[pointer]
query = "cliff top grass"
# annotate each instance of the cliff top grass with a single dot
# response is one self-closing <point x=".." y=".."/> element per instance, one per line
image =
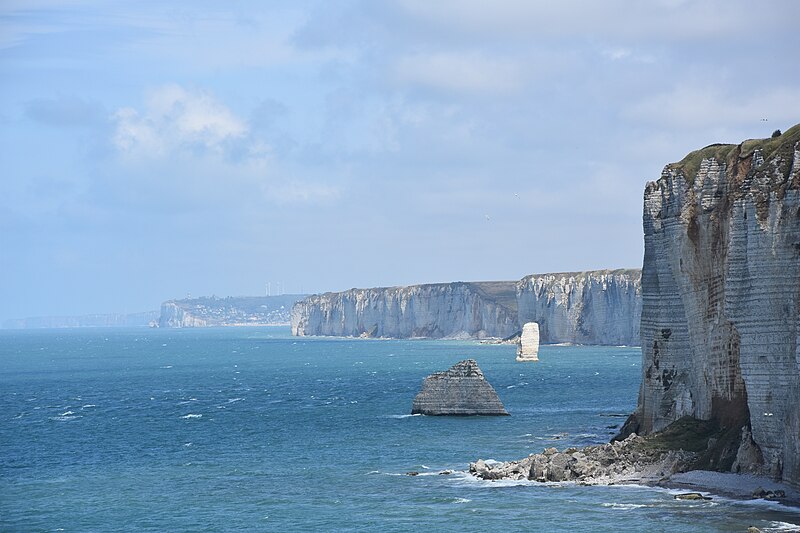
<point x="690" y="164"/>
<point x="582" y="273"/>
<point x="502" y="292"/>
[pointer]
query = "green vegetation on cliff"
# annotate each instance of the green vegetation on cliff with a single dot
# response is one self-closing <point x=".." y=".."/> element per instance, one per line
<point x="782" y="145"/>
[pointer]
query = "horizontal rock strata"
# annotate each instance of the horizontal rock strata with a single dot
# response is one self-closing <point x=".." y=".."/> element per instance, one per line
<point x="595" y="307"/>
<point x="721" y="301"/>
<point x="442" y="310"/>
<point x="461" y="390"/>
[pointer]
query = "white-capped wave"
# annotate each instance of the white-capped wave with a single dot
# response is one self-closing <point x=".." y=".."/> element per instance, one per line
<point x="465" y="479"/>
<point x="782" y="526"/>
<point x="88" y="405"/>
<point x="192" y="415"/>
<point x="624" y="506"/>
<point x="402" y="416"/>
<point x="66" y="418"/>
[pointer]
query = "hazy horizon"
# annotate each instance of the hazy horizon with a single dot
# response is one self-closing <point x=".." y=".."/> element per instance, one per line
<point x="154" y="149"/>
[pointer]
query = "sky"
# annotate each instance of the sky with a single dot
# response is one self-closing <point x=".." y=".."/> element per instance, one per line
<point x="154" y="149"/>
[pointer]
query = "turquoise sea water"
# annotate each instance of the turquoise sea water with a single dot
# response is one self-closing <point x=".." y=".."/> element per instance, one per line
<point x="249" y="429"/>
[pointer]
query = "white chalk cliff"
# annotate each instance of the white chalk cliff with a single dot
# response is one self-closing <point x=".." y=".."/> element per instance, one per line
<point x="454" y="310"/>
<point x="721" y="301"/>
<point x="595" y="307"/>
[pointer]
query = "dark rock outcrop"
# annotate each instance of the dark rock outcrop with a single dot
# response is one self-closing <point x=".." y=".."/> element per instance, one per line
<point x="631" y="460"/>
<point x="460" y="390"/>
<point x="680" y="447"/>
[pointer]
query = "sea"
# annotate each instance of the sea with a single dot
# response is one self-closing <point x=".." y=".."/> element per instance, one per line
<point x="251" y="429"/>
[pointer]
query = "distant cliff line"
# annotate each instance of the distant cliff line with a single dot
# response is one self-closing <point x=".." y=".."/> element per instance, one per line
<point x="593" y="307"/>
<point x="230" y="311"/>
<point x="98" y="320"/>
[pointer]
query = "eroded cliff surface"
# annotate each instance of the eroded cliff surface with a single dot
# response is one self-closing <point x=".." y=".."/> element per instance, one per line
<point x="594" y="307"/>
<point x="721" y="301"/>
<point x="460" y="309"/>
<point x="461" y="390"/>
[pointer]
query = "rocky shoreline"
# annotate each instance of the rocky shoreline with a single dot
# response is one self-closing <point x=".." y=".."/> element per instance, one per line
<point x="673" y="458"/>
<point x="631" y="460"/>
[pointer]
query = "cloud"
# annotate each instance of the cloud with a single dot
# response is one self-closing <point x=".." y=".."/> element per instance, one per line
<point x="622" y="53"/>
<point x="185" y="150"/>
<point x="667" y="19"/>
<point x="176" y="119"/>
<point x="459" y="72"/>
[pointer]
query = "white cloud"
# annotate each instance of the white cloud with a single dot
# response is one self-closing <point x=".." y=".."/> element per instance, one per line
<point x="622" y="53"/>
<point x="184" y="149"/>
<point x="175" y="118"/>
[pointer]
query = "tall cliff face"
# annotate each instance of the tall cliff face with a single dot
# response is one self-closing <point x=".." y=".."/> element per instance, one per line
<point x="721" y="298"/>
<point x="175" y="315"/>
<point x="475" y="310"/>
<point x="83" y="321"/>
<point x="595" y="307"/>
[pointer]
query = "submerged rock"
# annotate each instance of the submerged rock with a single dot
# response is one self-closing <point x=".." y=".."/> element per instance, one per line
<point x="691" y="496"/>
<point x="460" y="390"/>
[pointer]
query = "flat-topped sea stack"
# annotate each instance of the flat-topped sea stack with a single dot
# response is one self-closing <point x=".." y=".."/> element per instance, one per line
<point x="528" y="349"/>
<point x="459" y="391"/>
